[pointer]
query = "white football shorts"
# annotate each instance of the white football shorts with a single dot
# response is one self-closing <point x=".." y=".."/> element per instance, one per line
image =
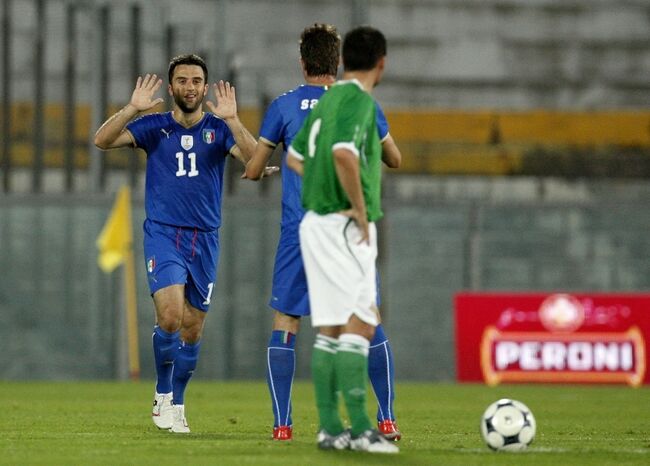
<point x="341" y="273"/>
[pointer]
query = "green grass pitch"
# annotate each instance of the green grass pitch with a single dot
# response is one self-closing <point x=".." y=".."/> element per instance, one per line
<point x="108" y="423"/>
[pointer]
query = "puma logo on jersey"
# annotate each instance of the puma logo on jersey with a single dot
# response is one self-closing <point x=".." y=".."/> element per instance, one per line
<point x="165" y="132"/>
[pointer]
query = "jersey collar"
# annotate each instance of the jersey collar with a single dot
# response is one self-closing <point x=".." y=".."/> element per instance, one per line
<point x="171" y="117"/>
<point x="351" y="81"/>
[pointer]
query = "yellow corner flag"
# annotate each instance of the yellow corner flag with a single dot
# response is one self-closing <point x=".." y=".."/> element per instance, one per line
<point x="114" y="242"/>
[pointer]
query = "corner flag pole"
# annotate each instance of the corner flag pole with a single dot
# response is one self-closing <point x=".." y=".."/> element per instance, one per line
<point x="115" y="244"/>
<point x="130" y="293"/>
<point x="131" y="314"/>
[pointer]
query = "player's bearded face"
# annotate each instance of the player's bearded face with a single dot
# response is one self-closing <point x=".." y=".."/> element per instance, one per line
<point x="188" y="98"/>
<point x="188" y="87"/>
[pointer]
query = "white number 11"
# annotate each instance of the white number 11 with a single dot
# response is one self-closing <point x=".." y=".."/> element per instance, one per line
<point x="180" y="156"/>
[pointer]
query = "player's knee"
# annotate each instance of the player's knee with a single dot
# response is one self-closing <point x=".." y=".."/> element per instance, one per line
<point x="286" y="322"/>
<point x="367" y="332"/>
<point x="358" y="326"/>
<point x="169" y="325"/>
<point x="169" y="319"/>
<point x="191" y="334"/>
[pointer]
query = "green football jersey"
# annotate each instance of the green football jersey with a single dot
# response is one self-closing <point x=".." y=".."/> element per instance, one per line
<point x="343" y="118"/>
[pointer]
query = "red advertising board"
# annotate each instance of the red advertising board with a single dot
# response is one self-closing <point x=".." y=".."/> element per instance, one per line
<point x="552" y="337"/>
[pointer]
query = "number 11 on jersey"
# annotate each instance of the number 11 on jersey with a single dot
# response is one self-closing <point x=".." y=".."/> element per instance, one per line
<point x="180" y="156"/>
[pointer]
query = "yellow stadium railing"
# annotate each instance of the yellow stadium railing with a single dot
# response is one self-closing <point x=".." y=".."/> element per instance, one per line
<point x="432" y="141"/>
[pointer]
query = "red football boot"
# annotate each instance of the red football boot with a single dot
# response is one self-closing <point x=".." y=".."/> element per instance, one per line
<point x="389" y="430"/>
<point x="282" y="433"/>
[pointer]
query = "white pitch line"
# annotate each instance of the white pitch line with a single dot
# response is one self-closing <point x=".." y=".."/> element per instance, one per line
<point x="637" y="451"/>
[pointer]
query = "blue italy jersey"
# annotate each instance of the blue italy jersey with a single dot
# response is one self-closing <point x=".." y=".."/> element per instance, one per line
<point x="184" y="178"/>
<point x="282" y="121"/>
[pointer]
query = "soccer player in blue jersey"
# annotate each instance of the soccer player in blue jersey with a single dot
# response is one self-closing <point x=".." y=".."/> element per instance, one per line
<point x="319" y="58"/>
<point x="186" y="152"/>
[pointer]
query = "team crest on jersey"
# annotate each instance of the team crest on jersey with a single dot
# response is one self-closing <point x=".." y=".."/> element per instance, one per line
<point x="208" y="136"/>
<point x="151" y="264"/>
<point x="187" y="141"/>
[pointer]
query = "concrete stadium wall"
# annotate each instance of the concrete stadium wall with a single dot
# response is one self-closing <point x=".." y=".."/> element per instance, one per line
<point x="505" y="54"/>
<point x="61" y="318"/>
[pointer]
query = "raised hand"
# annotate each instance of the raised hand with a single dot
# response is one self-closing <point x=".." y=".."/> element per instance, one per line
<point x="145" y="88"/>
<point x="226" y="102"/>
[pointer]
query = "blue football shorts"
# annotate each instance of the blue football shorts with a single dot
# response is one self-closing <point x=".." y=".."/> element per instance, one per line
<point x="182" y="256"/>
<point x="289" y="293"/>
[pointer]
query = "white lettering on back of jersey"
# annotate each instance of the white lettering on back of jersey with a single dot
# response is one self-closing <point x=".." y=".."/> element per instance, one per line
<point x="308" y="104"/>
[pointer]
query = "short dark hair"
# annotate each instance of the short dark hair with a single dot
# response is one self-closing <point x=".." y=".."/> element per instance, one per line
<point x="187" y="59"/>
<point x="363" y="47"/>
<point x="320" y="47"/>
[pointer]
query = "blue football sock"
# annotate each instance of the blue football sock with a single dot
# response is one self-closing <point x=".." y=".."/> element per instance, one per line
<point x="165" y="349"/>
<point x="380" y="370"/>
<point x="281" y="367"/>
<point x="188" y="355"/>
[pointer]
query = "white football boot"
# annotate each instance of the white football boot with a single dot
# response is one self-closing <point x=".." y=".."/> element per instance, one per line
<point x="372" y="442"/>
<point x="326" y="441"/>
<point x="179" y="425"/>
<point x="163" y="410"/>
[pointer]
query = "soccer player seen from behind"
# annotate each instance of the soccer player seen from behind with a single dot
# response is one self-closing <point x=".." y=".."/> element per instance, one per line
<point x="338" y="152"/>
<point x="319" y="59"/>
<point x="186" y="152"/>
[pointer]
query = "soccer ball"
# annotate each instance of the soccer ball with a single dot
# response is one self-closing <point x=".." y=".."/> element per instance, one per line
<point x="508" y="425"/>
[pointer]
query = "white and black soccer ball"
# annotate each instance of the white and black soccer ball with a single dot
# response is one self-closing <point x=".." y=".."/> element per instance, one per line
<point x="508" y="425"/>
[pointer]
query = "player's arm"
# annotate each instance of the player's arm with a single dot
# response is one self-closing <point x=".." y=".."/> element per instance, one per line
<point x="390" y="153"/>
<point x="226" y="109"/>
<point x="245" y="142"/>
<point x="256" y="166"/>
<point x="113" y="133"/>
<point x="346" y="164"/>
<point x="295" y="161"/>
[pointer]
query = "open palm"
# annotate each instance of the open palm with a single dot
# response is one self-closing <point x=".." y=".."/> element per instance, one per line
<point x="145" y="88"/>
<point x="226" y="101"/>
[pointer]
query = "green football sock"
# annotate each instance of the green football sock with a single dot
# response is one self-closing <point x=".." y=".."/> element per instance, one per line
<point x="323" y="374"/>
<point x="351" y="373"/>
